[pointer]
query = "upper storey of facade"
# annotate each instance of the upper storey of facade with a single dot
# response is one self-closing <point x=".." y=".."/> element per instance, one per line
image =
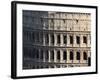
<point x="65" y="21"/>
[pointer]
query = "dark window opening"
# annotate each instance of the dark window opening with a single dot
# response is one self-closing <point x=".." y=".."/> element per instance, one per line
<point x="33" y="51"/>
<point x="52" y="39"/>
<point x="37" y="54"/>
<point x="65" y="39"/>
<point x="64" y="20"/>
<point x="64" y="55"/>
<point x="58" y="39"/>
<point x="78" y="39"/>
<point x="41" y="37"/>
<point x="46" y="38"/>
<point x="84" y="55"/>
<point x="71" y="39"/>
<point x="41" y="54"/>
<point x="52" y="23"/>
<point x="51" y="66"/>
<point x="84" y="39"/>
<point x="58" y="55"/>
<point x="46" y="55"/>
<point x="37" y="67"/>
<point x="76" y="21"/>
<point x="52" y="55"/>
<point x="71" y="55"/>
<point x="78" y="56"/>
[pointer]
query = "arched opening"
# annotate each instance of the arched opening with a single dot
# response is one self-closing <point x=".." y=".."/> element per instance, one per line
<point x="84" y="55"/>
<point x="78" y="55"/>
<point x="64" y="55"/>
<point x="52" y="55"/>
<point x="58" y="55"/>
<point x="71" y="55"/>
